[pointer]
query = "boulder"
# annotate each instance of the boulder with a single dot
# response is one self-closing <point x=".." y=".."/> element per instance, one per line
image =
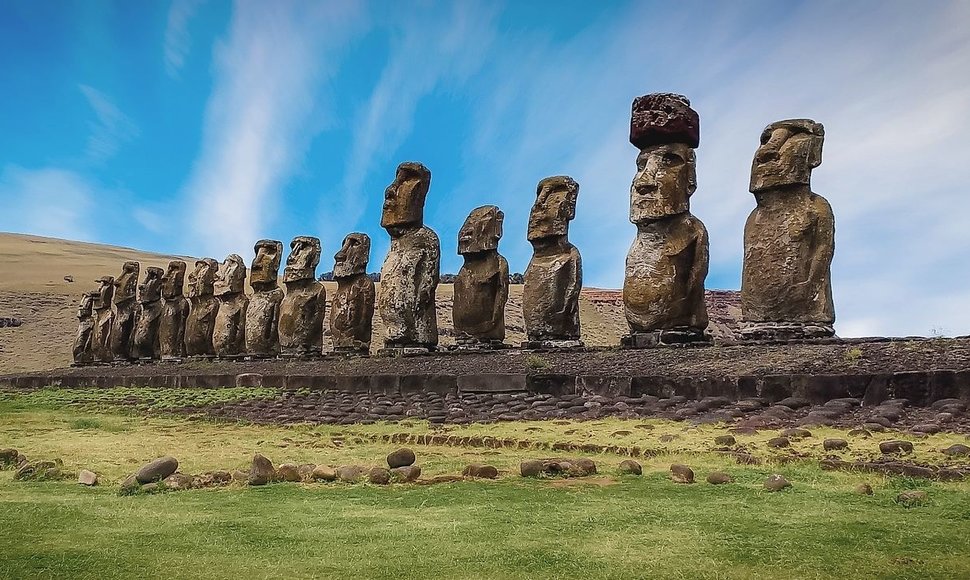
<point x="406" y="474"/>
<point x="719" y="478"/>
<point x="85" y="477"/>
<point x="630" y="467"/>
<point x="584" y="466"/>
<point x="350" y="473"/>
<point x="865" y="434"/>
<point x="216" y="478"/>
<point x="681" y="473"/>
<point x="481" y="471"/>
<point x="835" y="444"/>
<point x="863" y="489"/>
<point x="531" y="468"/>
<point x="157" y="470"/>
<point x="401" y="458"/>
<point x="288" y="472"/>
<point x="179" y="482"/>
<point x="240" y="476"/>
<point x="895" y="446"/>
<point x="796" y="433"/>
<point x="8" y="457"/>
<point x="725" y="440"/>
<point x="928" y="428"/>
<point x="779" y="442"/>
<point x="38" y="471"/>
<point x="776" y="483"/>
<point x="323" y="473"/>
<point x="379" y="475"/>
<point x="261" y="472"/>
<point x="911" y="498"/>
<point x="956" y="450"/>
<point x="306" y="471"/>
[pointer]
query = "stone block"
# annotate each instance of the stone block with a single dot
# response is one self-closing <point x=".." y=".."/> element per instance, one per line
<point x="492" y="383"/>
<point x="604" y="385"/>
<point x="442" y="384"/>
<point x="551" y="384"/>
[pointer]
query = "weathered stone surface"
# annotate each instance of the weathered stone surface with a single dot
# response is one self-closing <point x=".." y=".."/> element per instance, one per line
<point x="411" y="270"/>
<point x="719" y="478"/>
<point x="302" y="310"/>
<point x="229" y="287"/>
<point x="681" y="473"/>
<point x="531" y="468"/>
<point x="789" y="239"/>
<point x="350" y="473"/>
<point x="895" y="446"/>
<point x="203" y="307"/>
<point x="179" y="482"/>
<point x="352" y="309"/>
<point x="911" y="498"/>
<point x="261" y="471"/>
<point x="263" y="312"/>
<point x="835" y="444"/>
<point x="482" y="284"/>
<point x="145" y="342"/>
<point x="778" y="442"/>
<point x="663" y="288"/>
<point x="85" y="477"/>
<point x="323" y="473"/>
<point x="400" y="458"/>
<point x="481" y="471"/>
<point x="125" y="311"/>
<point x="630" y="467"/>
<point x="554" y="276"/>
<point x="103" y="316"/>
<point x="216" y="478"/>
<point x="776" y="483"/>
<point x="725" y="440"/>
<point x="288" y="472"/>
<point x="379" y="476"/>
<point x="84" y="339"/>
<point x="406" y="474"/>
<point x="583" y="466"/>
<point x="157" y="470"/>
<point x="175" y="311"/>
<point x="957" y="450"/>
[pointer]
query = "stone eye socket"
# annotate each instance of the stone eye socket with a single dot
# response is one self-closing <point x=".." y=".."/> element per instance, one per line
<point x="765" y="136"/>
<point x="672" y="159"/>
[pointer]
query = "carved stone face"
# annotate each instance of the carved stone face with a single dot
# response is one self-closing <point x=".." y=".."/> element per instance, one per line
<point x="231" y="277"/>
<point x="353" y="256"/>
<point x="84" y="309"/>
<point x="127" y="283"/>
<point x="151" y="289"/>
<point x="789" y="151"/>
<point x="202" y="277"/>
<point x="302" y="262"/>
<point x="266" y="264"/>
<point x="173" y="280"/>
<point x="105" y="292"/>
<point x="481" y="231"/>
<point x="404" y="198"/>
<point x="555" y="206"/>
<point x="666" y="178"/>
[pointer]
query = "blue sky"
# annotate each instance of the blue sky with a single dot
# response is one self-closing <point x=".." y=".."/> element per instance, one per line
<point x="197" y="127"/>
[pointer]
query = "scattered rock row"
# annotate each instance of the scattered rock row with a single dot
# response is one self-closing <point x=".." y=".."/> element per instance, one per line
<point x="485" y="441"/>
<point x="11" y="459"/>
<point x="557" y="467"/>
<point x="892" y="467"/>
<point x="39" y="471"/>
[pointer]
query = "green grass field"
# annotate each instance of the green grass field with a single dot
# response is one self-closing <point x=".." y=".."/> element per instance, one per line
<point x="605" y="526"/>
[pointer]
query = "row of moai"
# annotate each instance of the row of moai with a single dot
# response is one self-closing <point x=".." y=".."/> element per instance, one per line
<point x="785" y="290"/>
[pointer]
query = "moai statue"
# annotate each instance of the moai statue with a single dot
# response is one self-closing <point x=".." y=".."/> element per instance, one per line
<point x="663" y="290"/>
<point x="145" y="343"/>
<point x="789" y="239"/>
<point x="203" y="306"/>
<point x="482" y="285"/>
<point x="103" y="317"/>
<point x="352" y="310"/>
<point x="554" y="277"/>
<point x="84" y="340"/>
<point x="175" y="310"/>
<point x="263" y="314"/>
<point x="305" y="304"/>
<point x="409" y="276"/>
<point x="229" y="331"/>
<point x="125" y="311"/>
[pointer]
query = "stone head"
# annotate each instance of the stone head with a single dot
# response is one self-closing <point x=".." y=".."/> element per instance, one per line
<point x="174" y="280"/>
<point x="231" y="276"/>
<point x="203" y="277"/>
<point x="127" y="283"/>
<point x="353" y="256"/>
<point x="266" y="265"/>
<point x="661" y="118"/>
<point x="105" y="293"/>
<point x="666" y="178"/>
<point x="788" y="153"/>
<point x="150" y="290"/>
<point x="302" y="262"/>
<point x="481" y="231"/>
<point x="404" y="198"/>
<point x="554" y="207"/>
<point x="86" y="306"/>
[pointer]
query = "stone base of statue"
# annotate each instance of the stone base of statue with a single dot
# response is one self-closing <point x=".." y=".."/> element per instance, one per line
<point x="668" y="336"/>
<point x="201" y="357"/>
<point x="349" y="351"/>
<point x="779" y="331"/>
<point x="301" y="354"/>
<point x="553" y="344"/>
<point x="172" y="359"/>
<point x="261" y="356"/>
<point x="468" y="343"/>
<point x="410" y="350"/>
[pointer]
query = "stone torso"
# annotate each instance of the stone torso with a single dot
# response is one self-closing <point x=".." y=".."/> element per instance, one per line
<point x="481" y="291"/>
<point x="102" y="334"/>
<point x="789" y="240"/>
<point x="199" y="325"/>
<point x="171" y="327"/>
<point x="146" y="342"/>
<point x="550" y="297"/>
<point x="665" y="269"/>
<point x="406" y="297"/>
<point x="123" y="329"/>
<point x="262" y="319"/>
<point x="229" y="330"/>
<point x="84" y="340"/>
<point x="352" y="313"/>
<point x="301" y="317"/>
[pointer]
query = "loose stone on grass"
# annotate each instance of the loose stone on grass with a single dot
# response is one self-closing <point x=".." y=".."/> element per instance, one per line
<point x="261" y="472"/>
<point x="719" y="478"/>
<point x="350" y="473"/>
<point x="85" y="477"/>
<point x="681" y="473"/>
<point x="956" y="450"/>
<point x="895" y="446"/>
<point x="725" y="440"/>
<point x="776" y="483"/>
<point x="406" y="474"/>
<point x="630" y="467"/>
<point x="796" y="433"/>
<point x="863" y="489"/>
<point x="480" y="471"/>
<point x="779" y="442"/>
<point x="401" y="458"/>
<point x="179" y="482"/>
<point x="835" y="444"/>
<point x="323" y="473"/>
<point x="911" y="498"/>
<point x="530" y="468"/>
<point x="288" y="472"/>
<point x="379" y="476"/>
<point x="157" y="470"/>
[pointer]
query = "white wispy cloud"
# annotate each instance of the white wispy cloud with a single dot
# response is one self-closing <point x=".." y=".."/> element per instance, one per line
<point x="112" y="127"/>
<point x="262" y="114"/>
<point x="47" y="201"/>
<point x="178" y="41"/>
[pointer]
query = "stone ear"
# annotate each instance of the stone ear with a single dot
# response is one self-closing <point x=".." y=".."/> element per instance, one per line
<point x="691" y="172"/>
